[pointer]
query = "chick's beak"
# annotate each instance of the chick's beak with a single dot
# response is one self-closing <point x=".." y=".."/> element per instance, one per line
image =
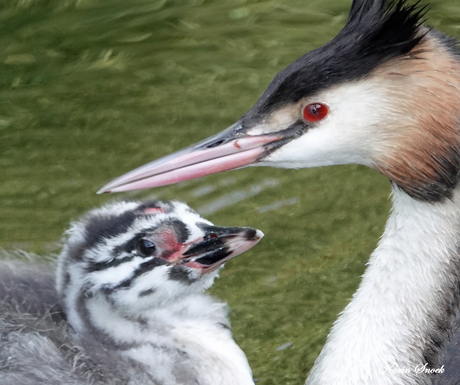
<point x="227" y="150"/>
<point x="219" y="245"/>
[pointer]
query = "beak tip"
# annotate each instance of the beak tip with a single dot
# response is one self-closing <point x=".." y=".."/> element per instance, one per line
<point x="102" y="191"/>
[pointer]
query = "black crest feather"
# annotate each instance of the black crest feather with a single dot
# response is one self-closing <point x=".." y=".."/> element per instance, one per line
<point x="376" y="31"/>
<point x="386" y="29"/>
<point x="360" y="8"/>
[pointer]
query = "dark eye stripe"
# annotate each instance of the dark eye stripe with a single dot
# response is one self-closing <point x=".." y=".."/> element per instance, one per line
<point x="181" y="230"/>
<point x="146" y="293"/>
<point x="98" y="266"/>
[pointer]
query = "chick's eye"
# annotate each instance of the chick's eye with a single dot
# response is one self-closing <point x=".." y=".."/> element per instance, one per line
<point x="314" y="112"/>
<point x="146" y="247"/>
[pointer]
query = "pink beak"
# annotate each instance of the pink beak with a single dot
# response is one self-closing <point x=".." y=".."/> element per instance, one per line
<point x="224" y="151"/>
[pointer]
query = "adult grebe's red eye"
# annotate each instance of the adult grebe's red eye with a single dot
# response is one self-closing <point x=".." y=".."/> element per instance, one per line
<point x="314" y="112"/>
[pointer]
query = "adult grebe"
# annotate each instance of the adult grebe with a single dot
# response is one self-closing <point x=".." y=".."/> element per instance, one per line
<point x="384" y="93"/>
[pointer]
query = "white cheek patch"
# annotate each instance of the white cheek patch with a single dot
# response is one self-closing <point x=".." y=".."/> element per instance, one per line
<point x="348" y="134"/>
<point x="152" y="279"/>
<point x="151" y="289"/>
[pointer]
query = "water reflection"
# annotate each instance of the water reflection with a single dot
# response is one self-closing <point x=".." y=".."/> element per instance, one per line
<point x="277" y="205"/>
<point x="236" y="196"/>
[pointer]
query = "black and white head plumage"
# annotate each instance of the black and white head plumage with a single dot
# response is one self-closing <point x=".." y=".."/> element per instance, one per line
<point x="132" y="254"/>
<point x="129" y="306"/>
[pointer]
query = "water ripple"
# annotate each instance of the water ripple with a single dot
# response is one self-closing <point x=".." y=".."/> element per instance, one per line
<point x="236" y="196"/>
<point x="278" y="204"/>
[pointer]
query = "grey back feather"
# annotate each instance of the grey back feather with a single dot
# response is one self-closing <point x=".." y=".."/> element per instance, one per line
<point x="37" y="346"/>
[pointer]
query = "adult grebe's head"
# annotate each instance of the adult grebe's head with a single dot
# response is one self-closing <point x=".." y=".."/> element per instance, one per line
<point x="383" y="93"/>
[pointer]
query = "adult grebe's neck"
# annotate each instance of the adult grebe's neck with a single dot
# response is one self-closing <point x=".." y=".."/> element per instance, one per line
<point x="401" y="316"/>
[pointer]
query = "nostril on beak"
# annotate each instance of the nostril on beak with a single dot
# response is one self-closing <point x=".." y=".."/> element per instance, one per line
<point x="209" y="236"/>
<point x="215" y="144"/>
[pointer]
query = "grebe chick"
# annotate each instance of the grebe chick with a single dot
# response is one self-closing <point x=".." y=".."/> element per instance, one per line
<point x="130" y="306"/>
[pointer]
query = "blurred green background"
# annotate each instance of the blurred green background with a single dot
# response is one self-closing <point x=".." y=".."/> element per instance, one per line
<point x="91" y="89"/>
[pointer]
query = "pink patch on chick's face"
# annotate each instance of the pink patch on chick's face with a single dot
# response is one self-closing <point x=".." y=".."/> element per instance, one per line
<point x="153" y="211"/>
<point x="171" y="249"/>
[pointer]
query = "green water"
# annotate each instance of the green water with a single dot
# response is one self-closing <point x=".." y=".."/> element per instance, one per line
<point x="93" y="88"/>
